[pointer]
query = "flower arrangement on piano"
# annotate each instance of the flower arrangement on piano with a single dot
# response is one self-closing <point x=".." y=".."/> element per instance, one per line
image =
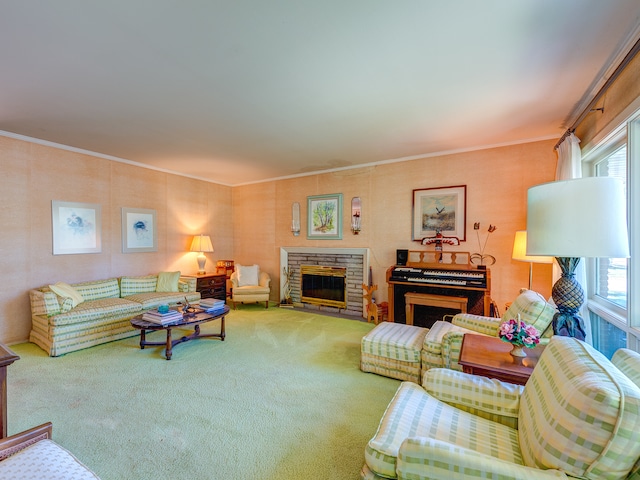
<point x="481" y="258"/>
<point x="520" y="335"/>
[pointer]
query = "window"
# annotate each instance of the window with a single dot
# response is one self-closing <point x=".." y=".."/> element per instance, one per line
<point x="611" y="282"/>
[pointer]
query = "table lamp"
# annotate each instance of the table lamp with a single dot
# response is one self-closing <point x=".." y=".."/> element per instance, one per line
<point x="201" y="243"/>
<point x="571" y="219"/>
<point x="520" y="253"/>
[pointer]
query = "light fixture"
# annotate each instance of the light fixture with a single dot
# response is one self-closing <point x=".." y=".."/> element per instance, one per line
<point x="520" y="253"/>
<point x="356" y="215"/>
<point x="295" y="219"/>
<point x="571" y="219"/>
<point x="201" y="243"/>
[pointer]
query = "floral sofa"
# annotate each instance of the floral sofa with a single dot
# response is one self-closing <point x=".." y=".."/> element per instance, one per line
<point x="578" y="416"/>
<point x="85" y="314"/>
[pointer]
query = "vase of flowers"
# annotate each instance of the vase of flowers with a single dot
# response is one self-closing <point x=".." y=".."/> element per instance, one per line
<point x="520" y="335"/>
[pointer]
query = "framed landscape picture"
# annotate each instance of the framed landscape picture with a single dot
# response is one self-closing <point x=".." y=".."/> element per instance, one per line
<point x="76" y="227"/>
<point x="324" y="217"/>
<point x="442" y="209"/>
<point x="139" y="231"/>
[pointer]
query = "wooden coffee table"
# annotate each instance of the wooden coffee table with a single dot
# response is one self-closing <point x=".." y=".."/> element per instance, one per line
<point x="490" y="357"/>
<point x="188" y="320"/>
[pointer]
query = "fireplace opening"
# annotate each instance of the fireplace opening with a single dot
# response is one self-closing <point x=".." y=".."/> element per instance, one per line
<point x="324" y="285"/>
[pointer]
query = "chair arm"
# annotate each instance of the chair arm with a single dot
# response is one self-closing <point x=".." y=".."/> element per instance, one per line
<point x="20" y="441"/>
<point x="264" y="280"/>
<point x="478" y="323"/>
<point x="486" y="397"/>
<point x="426" y="458"/>
<point x="234" y="279"/>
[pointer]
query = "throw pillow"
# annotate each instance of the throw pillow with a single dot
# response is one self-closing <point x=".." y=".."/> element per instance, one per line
<point x="248" y="275"/>
<point x="168" y="281"/>
<point x="67" y="291"/>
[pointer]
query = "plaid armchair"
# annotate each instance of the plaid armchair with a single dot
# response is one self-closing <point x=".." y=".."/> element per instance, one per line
<point x="442" y="343"/>
<point x="578" y="416"/>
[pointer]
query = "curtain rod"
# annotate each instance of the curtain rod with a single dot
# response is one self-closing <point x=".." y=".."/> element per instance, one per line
<point x="616" y="73"/>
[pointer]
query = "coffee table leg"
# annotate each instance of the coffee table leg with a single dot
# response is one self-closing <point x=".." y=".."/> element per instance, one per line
<point x="168" y="348"/>
<point x="142" y="339"/>
<point x="222" y="334"/>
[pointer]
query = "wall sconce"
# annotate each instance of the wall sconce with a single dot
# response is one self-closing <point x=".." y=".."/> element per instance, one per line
<point x="295" y="219"/>
<point x="201" y="243"/>
<point x="356" y="212"/>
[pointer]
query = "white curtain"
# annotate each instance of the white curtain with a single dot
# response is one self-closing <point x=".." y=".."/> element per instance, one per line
<point x="570" y="166"/>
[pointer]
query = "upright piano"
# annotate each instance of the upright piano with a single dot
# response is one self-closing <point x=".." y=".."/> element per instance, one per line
<point x="438" y="273"/>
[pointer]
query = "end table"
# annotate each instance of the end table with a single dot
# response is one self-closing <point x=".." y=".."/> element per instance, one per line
<point x="490" y="357"/>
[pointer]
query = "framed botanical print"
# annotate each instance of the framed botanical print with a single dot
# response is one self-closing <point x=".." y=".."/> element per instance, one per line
<point x="324" y="217"/>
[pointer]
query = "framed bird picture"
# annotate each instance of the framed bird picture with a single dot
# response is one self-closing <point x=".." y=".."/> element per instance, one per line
<point x="442" y="209"/>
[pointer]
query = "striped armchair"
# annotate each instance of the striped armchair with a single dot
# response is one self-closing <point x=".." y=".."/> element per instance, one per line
<point x="578" y="416"/>
<point x="442" y="343"/>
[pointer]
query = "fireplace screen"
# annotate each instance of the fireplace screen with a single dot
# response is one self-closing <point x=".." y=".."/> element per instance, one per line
<point x="324" y="285"/>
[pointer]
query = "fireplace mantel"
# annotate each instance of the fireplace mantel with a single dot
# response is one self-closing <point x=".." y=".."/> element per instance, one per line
<point x="363" y="252"/>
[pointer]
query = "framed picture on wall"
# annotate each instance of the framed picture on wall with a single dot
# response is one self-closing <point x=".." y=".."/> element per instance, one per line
<point x="76" y="227"/>
<point x="442" y="209"/>
<point x="139" y="231"/>
<point x="324" y="217"/>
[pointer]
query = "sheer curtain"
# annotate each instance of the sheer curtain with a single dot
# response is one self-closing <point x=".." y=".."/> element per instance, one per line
<point x="570" y="166"/>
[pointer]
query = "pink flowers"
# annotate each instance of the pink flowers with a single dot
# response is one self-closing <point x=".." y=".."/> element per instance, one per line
<point x="519" y="333"/>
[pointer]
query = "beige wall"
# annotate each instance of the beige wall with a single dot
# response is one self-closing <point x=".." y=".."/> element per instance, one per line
<point x="248" y="224"/>
<point x="33" y="175"/>
<point x="497" y="181"/>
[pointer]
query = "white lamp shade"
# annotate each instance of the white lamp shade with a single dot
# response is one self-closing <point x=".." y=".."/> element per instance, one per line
<point x="585" y="217"/>
<point x="520" y="250"/>
<point x="201" y="243"/>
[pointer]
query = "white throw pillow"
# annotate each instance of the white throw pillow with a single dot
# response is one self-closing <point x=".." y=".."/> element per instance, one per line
<point x="67" y="291"/>
<point x="247" y="275"/>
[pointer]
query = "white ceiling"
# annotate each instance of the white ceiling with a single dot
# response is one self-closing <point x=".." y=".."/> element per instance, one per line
<point x="240" y="91"/>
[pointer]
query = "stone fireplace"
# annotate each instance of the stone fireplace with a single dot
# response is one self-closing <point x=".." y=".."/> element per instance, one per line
<point x="347" y="265"/>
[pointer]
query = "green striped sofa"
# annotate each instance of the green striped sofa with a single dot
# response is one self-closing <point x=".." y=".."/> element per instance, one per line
<point x="578" y="416"/>
<point x="58" y="327"/>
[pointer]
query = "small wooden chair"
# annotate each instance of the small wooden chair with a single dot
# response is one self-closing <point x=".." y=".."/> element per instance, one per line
<point x="376" y="313"/>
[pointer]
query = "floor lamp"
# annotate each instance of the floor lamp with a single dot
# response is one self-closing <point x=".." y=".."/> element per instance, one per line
<point x="571" y="219"/>
<point x="520" y="253"/>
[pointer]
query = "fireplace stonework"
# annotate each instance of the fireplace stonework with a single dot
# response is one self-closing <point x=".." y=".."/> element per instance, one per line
<point x="355" y="260"/>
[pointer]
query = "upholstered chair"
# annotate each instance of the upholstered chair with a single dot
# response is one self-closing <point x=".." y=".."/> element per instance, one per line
<point x="249" y="285"/>
<point x="442" y="343"/>
<point x="578" y="416"/>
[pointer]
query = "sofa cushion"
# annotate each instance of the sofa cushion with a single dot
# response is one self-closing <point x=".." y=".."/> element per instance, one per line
<point x="168" y="282"/>
<point x="414" y="413"/>
<point x="583" y="417"/>
<point x="149" y="300"/>
<point x="628" y="362"/>
<point x="67" y="291"/>
<point x="132" y="285"/>
<point x="45" y="459"/>
<point x="96" y="309"/>
<point x="247" y="275"/>
<point x="109" y="288"/>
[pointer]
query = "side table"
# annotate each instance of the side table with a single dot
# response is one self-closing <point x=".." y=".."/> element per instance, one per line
<point x="490" y="357"/>
<point x="211" y="285"/>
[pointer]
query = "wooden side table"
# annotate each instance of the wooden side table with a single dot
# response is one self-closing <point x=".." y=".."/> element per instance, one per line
<point x="490" y="357"/>
<point x="211" y="285"/>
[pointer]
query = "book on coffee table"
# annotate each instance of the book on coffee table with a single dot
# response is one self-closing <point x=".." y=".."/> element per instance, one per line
<point x="154" y="316"/>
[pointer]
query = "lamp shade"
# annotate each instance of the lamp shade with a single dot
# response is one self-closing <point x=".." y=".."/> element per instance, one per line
<point x="201" y="243"/>
<point x="520" y="250"/>
<point x="584" y="217"/>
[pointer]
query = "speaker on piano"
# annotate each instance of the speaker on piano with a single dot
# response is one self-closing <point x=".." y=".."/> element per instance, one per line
<point x="402" y="256"/>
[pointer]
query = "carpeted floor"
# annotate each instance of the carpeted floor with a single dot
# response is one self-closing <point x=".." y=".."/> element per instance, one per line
<point x="281" y="398"/>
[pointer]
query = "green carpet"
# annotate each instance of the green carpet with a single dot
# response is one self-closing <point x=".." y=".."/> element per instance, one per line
<point x="281" y="398"/>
